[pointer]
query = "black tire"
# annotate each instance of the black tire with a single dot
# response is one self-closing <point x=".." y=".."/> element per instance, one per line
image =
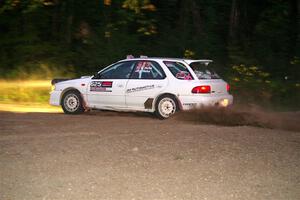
<point x="165" y="106"/>
<point x="72" y="103"/>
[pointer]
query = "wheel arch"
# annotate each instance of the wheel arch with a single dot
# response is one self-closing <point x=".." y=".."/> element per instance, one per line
<point x="70" y="89"/>
<point x="179" y="105"/>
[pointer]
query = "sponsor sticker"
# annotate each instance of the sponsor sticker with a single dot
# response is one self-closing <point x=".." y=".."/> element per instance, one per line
<point x="184" y="75"/>
<point x="101" y="86"/>
<point x="189" y="104"/>
<point x="138" y="89"/>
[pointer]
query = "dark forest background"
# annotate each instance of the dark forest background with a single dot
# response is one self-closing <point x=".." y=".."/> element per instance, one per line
<point x="254" y="43"/>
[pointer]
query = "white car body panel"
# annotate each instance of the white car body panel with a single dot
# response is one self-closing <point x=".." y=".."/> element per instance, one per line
<point x="115" y="97"/>
<point x="138" y="91"/>
<point x="132" y="94"/>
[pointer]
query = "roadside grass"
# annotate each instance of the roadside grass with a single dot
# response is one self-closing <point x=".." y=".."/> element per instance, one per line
<point x="25" y="96"/>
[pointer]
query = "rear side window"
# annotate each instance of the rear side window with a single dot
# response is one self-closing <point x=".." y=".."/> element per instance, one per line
<point x="179" y="70"/>
<point x="202" y="71"/>
<point x="147" y="70"/>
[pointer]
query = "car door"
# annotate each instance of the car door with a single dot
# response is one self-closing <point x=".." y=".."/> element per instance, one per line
<point x="146" y="82"/>
<point x="107" y="88"/>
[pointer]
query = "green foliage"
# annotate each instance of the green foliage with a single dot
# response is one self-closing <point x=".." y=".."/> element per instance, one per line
<point x="50" y="38"/>
<point x="25" y="92"/>
<point x="253" y="86"/>
<point x="189" y="54"/>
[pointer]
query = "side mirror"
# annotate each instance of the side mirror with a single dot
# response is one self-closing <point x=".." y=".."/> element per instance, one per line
<point x="96" y="76"/>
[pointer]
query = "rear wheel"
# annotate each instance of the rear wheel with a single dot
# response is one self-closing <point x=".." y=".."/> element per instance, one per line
<point x="72" y="103"/>
<point x="165" y="106"/>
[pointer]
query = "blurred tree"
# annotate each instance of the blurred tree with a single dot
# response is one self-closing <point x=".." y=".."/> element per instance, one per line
<point x="88" y="35"/>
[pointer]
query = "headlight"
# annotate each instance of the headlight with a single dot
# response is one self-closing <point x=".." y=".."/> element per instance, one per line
<point x="52" y="87"/>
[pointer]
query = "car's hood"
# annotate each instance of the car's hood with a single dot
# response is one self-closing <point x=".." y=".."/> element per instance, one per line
<point x="75" y="81"/>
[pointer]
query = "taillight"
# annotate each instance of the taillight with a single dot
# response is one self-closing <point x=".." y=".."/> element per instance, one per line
<point x="227" y="87"/>
<point x="201" y="89"/>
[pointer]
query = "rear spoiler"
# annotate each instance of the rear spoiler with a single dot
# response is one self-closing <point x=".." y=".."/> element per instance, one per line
<point x="189" y="61"/>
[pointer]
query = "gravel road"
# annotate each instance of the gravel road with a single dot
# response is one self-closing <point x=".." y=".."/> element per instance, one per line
<point x="107" y="155"/>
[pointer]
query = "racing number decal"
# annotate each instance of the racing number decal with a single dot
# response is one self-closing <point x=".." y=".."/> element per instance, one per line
<point x="143" y="67"/>
<point x="101" y="86"/>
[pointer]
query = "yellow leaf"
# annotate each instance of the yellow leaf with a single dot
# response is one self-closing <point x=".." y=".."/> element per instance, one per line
<point x="107" y="2"/>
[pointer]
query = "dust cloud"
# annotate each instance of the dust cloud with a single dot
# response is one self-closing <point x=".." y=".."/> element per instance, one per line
<point x="240" y="115"/>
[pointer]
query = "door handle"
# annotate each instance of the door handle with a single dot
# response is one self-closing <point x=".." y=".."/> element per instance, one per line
<point x="120" y="85"/>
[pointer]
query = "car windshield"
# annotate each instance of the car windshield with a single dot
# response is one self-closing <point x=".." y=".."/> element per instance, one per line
<point x="203" y="71"/>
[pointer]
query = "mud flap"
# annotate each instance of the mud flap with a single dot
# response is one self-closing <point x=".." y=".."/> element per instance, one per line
<point x="149" y="103"/>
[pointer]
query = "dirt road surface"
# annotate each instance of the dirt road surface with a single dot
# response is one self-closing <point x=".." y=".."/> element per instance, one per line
<point x="105" y="155"/>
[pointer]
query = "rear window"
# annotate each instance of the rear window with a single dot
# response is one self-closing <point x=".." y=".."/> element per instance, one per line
<point x="179" y="70"/>
<point x="203" y="71"/>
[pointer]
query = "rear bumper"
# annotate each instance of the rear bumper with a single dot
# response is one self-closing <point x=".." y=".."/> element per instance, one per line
<point x="55" y="98"/>
<point x="198" y="101"/>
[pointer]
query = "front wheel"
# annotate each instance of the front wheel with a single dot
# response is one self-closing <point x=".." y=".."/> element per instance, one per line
<point x="165" y="106"/>
<point x="72" y="103"/>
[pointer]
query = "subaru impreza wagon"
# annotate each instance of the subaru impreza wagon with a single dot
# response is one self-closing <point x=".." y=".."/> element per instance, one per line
<point x="158" y="85"/>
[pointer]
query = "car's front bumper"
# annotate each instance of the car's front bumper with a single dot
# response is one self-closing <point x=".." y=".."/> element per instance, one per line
<point x="198" y="101"/>
<point x="55" y="98"/>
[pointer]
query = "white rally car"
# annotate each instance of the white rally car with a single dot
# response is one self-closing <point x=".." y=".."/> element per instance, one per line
<point x="159" y="85"/>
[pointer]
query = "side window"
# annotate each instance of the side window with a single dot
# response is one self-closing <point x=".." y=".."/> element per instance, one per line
<point x="147" y="70"/>
<point x="118" y="71"/>
<point x="179" y="70"/>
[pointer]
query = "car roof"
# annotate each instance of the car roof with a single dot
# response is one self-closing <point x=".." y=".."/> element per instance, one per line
<point x="188" y="61"/>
